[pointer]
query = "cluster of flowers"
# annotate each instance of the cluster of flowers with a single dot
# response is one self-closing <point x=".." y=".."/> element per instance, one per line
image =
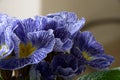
<point x="53" y="42"/>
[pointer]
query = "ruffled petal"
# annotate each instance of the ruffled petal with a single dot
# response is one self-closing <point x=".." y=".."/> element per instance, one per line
<point x="101" y="61"/>
<point x="6" y="43"/>
<point x="62" y="65"/>
<point x="41" y="38"/>
<point x="16" y="63"/>
<point x="25" y="26"/>
<point x="44" y="40"/>
<point x="62" y="46"/>
<point x="70" y="17"/>
<point x="62" y="33"/>
<point x="45" y="70"/>
<point x="73" y="28"/>
<point x="63" y="41"/>
<point x="85" y="41"/>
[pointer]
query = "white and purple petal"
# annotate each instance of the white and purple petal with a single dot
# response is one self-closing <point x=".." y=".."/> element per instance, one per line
<point x="44" y="43"/>
<point x="69" y="17"/>
<point x="63" y="41"/>
<point x="25" y="26"/>
<point x="68" y="20"/>
<point x="6" y="43"/>
<point x="101" y="61"/>
<point x="74" y="28"/>
<point x="62" y="46"/>
<point x="85" y="41"/>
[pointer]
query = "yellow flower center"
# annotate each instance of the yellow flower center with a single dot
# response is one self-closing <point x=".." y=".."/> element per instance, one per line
<point x="86" y="56"/>
<point x="26" y="50"/>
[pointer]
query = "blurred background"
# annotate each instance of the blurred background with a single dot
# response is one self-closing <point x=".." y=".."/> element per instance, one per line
<point x="102" y="17"/>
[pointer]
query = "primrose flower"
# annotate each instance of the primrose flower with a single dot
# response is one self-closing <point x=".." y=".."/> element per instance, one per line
<point x="87" y="49"/>
<point x="66" y="65"/>
<point x="6" y="35"/>
<point x="31" y="45"/>
<point x="64" y="25"/>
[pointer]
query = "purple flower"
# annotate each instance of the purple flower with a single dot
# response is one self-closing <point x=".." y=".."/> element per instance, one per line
<point x="87" y="49"/>
<point x="66" y="65"/>
<point x="31" y="45"/>
<point x="65" y="25"/>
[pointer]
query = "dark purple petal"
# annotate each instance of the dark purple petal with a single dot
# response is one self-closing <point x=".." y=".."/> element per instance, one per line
<point x="63" y="41"/>
<point x="46" y="23"/>
<point x="77" y="53"/>
<point x="66" y="65"/>
<point x="62" y="33"/>
<point x="65" y="72"/>
<point x="51" y="24"/>
<point x="45" y="70"/>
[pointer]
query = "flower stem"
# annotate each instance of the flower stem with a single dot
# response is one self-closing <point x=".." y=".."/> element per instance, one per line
<point x="6" y="74"/>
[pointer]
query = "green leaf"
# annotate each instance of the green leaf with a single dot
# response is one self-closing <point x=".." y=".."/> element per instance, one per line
<point x="1" y="78"/>
<point x="113" y="74"/>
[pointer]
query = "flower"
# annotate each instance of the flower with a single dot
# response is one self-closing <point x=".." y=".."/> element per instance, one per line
<point x="6" y="35"/>
<point x="31" y="46"/>
<point x="66" y="65"/>
<point x="87" y="49"/>
<point x="52" y="45"/>
<point x="65" y="25"/>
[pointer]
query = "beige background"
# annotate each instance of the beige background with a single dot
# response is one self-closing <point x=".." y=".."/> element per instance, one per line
<point x="107" y="34"/>
<point x="20" y="8"/>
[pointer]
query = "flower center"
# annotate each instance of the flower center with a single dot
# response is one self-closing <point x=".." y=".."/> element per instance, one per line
<point x="26" y="50"/>
<point x="86" y="56"/>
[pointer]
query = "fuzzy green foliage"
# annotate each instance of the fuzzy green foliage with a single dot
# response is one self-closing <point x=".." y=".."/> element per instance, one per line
<point x="113" y="74"/>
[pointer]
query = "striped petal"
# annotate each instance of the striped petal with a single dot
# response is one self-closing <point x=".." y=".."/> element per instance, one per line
<point x="101" y="61"/>
<point x="45" y="45"/>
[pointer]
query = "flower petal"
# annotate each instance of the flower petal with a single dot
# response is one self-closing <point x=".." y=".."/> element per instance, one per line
<point x="68" y="20"/>
<point x="45" y="45"/>
<point x="62" y="46"/>
<point x="62" y="65"/>
<point x="45" y="70"/>
<point x="73" y="28"/>
<point x="101" y="61"/>
<point x="67" y="16"/>
<point x="41" y="38"/>
<point x="16" y="63"/>
<point x="63" y="41"/>
<point x="25" y="26"/>
<point x="6" y="43"/>
<point x="85" y="41"/>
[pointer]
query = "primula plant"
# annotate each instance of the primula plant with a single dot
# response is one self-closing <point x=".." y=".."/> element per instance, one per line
<point x="50" y="47"/>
